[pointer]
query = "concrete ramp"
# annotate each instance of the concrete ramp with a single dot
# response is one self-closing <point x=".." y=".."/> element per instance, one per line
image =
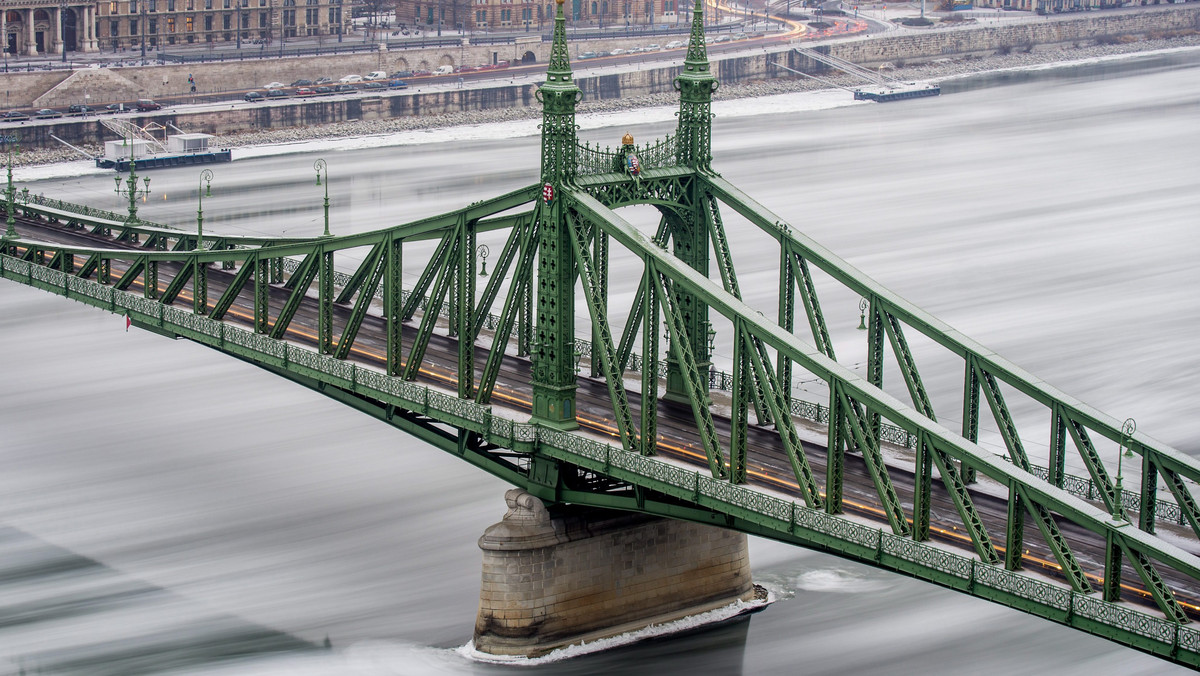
<point x="105" y="82"/>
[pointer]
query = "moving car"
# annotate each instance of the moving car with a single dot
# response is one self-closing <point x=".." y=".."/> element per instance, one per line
<point x="276" y="93"/>
<point x="79" y="109"/>
<point x="373" y="85"/>
<point x="252" y="96"/>
<point x="304" y="91"/>
<point x="47" y="112"/>
<point x="144" y="105"/>
<point x="398" y="84"/>
<point x="345" y="88"/>
<point x="14" y="116"/>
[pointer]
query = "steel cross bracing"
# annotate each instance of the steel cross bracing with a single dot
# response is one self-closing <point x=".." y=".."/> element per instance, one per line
<point x="490" y="371"/>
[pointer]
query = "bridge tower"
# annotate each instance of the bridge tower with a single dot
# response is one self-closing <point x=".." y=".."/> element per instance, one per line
<point x="554" y="333"/>
<point x="690" y="225"/>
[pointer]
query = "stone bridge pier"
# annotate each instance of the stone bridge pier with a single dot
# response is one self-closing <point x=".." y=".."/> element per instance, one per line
<point x="578" y="574"/>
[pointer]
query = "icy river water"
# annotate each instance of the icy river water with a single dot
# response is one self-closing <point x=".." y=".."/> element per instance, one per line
<point x="164" y="509"/>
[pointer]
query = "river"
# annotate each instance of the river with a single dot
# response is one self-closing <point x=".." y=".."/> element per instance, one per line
<point x="165" y="509"/>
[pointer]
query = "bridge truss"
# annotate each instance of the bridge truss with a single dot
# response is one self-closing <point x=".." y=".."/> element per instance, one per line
<point x="442" y="361"/>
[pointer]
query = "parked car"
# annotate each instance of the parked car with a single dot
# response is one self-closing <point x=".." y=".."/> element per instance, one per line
<point x="375" y="75"/>
<point x="47" y="112"/>
<point x="653" y="47"/>
<point x="304" y="91"/>
<point x="351" y="78"/>
<point x="144" y="105"/>
<point x="302" y="83"/>
<point x="443" y="70"/>
<point x="398" y="84"/>
<point x="618" y="52"/>
<point x="323" y="80"/>
<point x="14" y="116"/>
<point x="252" y="96"/>
<point x="276" y="93"/>
<point x="723" y="38"/>
<point x="274" y="85"/>
<point x="421" y="73"/>
<point x="588" y="55"/>
<point x="676" y="44"/>
<point x="116" y="108"/>
<point x="403" y="73"/>
<point x="80" y="109"/>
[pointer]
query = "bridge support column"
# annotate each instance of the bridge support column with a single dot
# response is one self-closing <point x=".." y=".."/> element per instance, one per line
<point x="581" y="574"/>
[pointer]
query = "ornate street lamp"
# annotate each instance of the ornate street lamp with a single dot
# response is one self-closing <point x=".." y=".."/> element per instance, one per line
<point x="482" y="251"/>
<point x="862" y="314"/>
<point x="320" y="166"/>
<point x="1127" y="430"/>
<point x="206" y="178"/>
<point x="131" y="190"/>
<point x="10" y="193"/>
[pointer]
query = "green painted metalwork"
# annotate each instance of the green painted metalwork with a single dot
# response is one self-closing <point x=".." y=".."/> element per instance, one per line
<point x="594" y="292"/>
<point x="922" y="489"/>
<point x="393" y="303"/>
<point x="1014" y="542"/>
<point x="262" y="295"/>
<point x="376" y="264"/>
<point x="649" y="303"/>
<point x="857" y="428"/>
<point x="300" y="280"/>
<point x="697" y="392"/>
<point x="567" y="235"/>
<point x="1058" y="544"/>
<point x="553" y="348"/>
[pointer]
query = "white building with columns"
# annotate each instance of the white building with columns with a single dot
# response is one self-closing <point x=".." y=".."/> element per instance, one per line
<point x="39" y="27"/>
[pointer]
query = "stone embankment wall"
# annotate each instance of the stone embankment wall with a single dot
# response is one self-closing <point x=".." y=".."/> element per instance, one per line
<point x="909" y="46"/>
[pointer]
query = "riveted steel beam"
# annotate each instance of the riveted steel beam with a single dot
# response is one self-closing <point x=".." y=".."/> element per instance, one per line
<point x="378" y="267"/>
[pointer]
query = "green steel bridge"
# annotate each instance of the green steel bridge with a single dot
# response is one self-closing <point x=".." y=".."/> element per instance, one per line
<point x="490" y="371"/>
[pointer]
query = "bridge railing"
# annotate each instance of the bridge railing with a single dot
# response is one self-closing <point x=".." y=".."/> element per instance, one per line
<point x="758" y="512"/>
<point x="591" y="160"/>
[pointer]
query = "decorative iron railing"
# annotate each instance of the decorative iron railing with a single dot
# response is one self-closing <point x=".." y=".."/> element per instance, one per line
<point x="591" y="160"/>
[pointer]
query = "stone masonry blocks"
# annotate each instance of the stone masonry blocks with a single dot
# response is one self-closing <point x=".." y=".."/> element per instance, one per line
<point x="582" y="573"/>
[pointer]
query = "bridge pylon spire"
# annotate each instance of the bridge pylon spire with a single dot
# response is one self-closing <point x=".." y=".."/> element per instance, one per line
<point x="554" y="371"/>
<point x="695" y="85"/>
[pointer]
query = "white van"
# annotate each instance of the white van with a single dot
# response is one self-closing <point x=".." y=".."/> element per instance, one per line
<point x="376" y="75"/>
<point x="443" y="70"/>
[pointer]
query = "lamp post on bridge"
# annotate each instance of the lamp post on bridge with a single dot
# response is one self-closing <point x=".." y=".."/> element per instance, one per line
<point x="132" y="190"/>
<point x="320" y="166"/>
<point x="10" y="193"/>
<point x="206" y="178"/>
<point x="1127" y="430"/>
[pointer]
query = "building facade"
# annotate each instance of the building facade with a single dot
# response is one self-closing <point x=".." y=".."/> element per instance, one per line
<point x="533" y="16"/>
<point x="34" y="27"/>
<point x="158" y="24"/>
